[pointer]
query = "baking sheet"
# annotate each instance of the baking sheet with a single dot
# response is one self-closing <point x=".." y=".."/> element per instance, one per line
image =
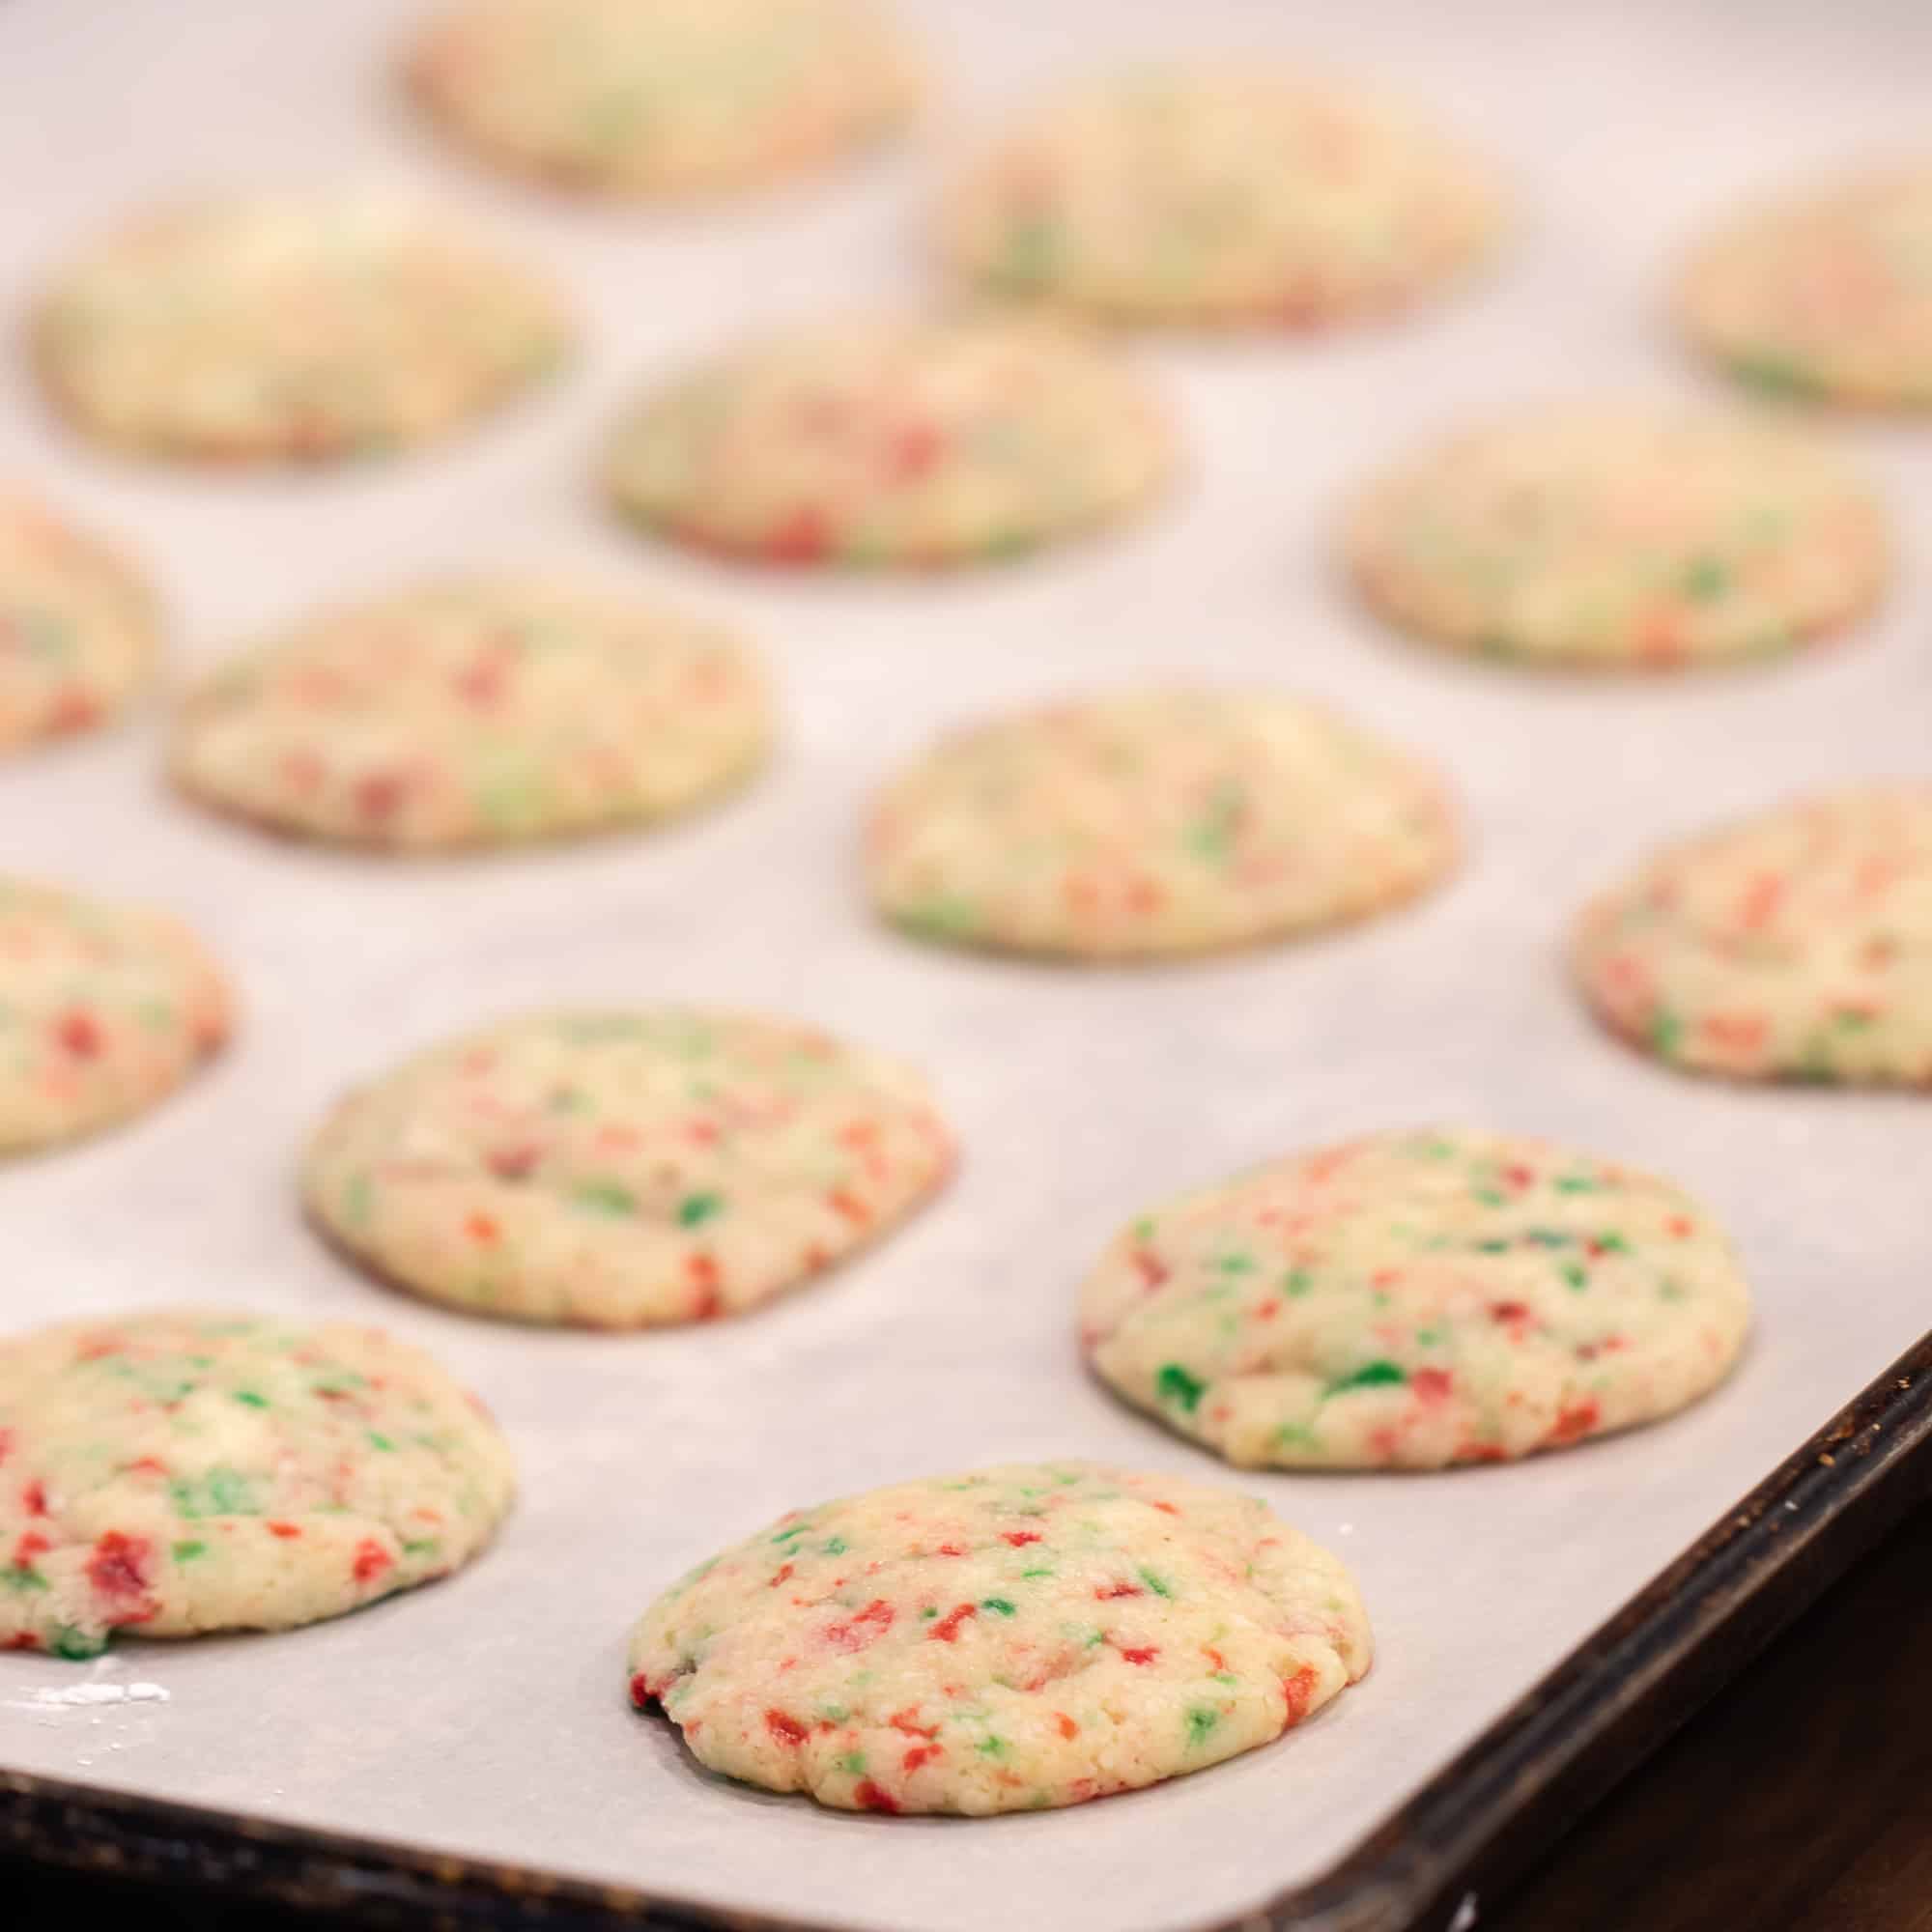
<point x="485" y="1716"/>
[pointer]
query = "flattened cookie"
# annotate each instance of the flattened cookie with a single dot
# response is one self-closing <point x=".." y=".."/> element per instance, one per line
<point x="1006" y="1640"/>
<point x="78" y="631"/>
<point x="1607" y="536"/>
<point x="664" y="97"/>
<point x="1824" y="294"/>
<point x="902" y="444"/>
<point x="1220" y="195"/>
<point x="1155" y="822"/>
<point x="1415" y="1299"/>
<point x="1795" y="945"/>
<point x="206" y="1470"/>
<point x="624" y="1168"/>
<point x="290" y="327"/>
<point x="103" y="1010"/>
<point x="480" y="713"/>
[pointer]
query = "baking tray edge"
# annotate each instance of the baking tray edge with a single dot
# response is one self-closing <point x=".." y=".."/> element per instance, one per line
<point x="1478" y="1821"/>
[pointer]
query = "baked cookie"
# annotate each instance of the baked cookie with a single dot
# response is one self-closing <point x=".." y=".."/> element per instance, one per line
<point x="479" y="713"/>
<point x="103" y="1010"/>
<point x="1006" y="1640"/>
<point x="903" y="444"/>
<point x="664" y="97"/>
<point x="79" y="629"/>
<point x="1609" y="537"/>
<point x="1413" y="1299"/>
<point x="1216" y="195"/>
<point x="1824" y="294"/>
<point x="624" y="1168"/>
<point x="1796" y="945"/>
<point x="290" y="329"/>
<point x="207" y="1469"/>
<point x="1155" y="822"/>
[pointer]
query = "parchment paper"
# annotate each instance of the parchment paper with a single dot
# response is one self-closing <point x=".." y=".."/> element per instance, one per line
<point x="486" y="1714"/>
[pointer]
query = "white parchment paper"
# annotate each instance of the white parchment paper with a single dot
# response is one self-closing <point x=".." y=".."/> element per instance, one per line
<point x="486" y="1714"/>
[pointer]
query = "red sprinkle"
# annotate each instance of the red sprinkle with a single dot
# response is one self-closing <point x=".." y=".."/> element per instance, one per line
<point x="284" y="1530"/>
<point x="1108" y="1592"/>
<point x="1431" y="1384"/>
<point x="947" y="1629"/>
<point x="1144" y="1654"/>
<point x="786" y="1729"/>
<point x="872" y="1622"/>
<point x="920" y="1755"/>
<point x="1019" y="1538"/>
<point x="1298" y="1691"/>
<point x="869" y="1798"/>
<point x="81" y="1034"/>
<point x="641" y="1691"/>
<point x="34" y="1498"/>
<point x="371" y="1560"/>
<point x="117" y="1566"/>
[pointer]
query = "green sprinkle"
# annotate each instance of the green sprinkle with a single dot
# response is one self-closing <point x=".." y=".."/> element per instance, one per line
<point x="377" y="1440"/>
<point x="853" y="1762"/>
<point x="1201" y="1721"/>
<point x="997" y="1605"/>
<point x="1705" y="579"/>
<point x="1667" y="1032"/>
<point x="697" y="1208"/>
<point x="218" y="1492"/>
<point x="76" y="1644"/>
<point x="1491" y="1197"/>
<point x="1155" y="1583"/>
<point x="358" y="1198"/>
<point x="1574" y="1184"/>
<point x="930" y="1610"/>
<point x="1378" y="1373"/>
<point x="992" y="1746"/>
<point x="17" y="1578"/>
<point x="786" y="1535"/>
<point x="1298" y="1282"/>
<point x="1574" y="1274"/>
<point x="1026" y="1575"/>
<point x="832" y="1546"/>
<point x="186" y="1552"/>
<point x="1613" y="1243"/>
<point x="605" y="1197"/>
<point x="1776" y="373"/>
<point x="250" y="1398"/>
<point x="1175" y="1384"/>
<point x="422" y="1546"/>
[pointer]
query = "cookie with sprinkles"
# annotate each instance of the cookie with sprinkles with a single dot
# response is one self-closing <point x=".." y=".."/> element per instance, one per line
<point x="893" y="444"/>
<point x="1824" y="292"/>
<point x="290" y="327"/>
<point x="1155" y="822"/>
<point x="170" y="1475"/>
<point x="1220" y="195"/>
<point x="79" y="627"/>
<point x="664" y="98"/>
<point x="104" y="1009"/>
<point x="486" y="712"/>
<point x="1613" y="536"/>
<point x="1413" y="1299"/>
<point x="625" y="1168"/>
<point x="1795" y="945"/>
<point x="1006" y="1640"/>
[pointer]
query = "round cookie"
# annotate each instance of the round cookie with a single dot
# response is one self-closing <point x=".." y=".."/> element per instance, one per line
<point x="1016" y="1638"/>
<point x="480" y="713"/>
<point x="78" y="630"/>
<point x="653" y="98"/>
<point x="624" y="1168"/>
<point x="290" y="327"/>
<point x="1794" y="945"/>
<point x="1823" y="294"/>
<point x="103" y="1010"/>
<point x="1609" y="537"/>
<point x="1155" y="822"/>
<point x="191" y="1470"/>
<point x="904" y="444"/>
<point x="1415" y="1299"/>
<point x="1216" y="195"/>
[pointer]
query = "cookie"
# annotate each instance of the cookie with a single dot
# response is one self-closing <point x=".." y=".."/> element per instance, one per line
<point x="1217" y="195"/>
<point x="1155" y="822"/>
<point x="478" y="713"/>
<point x="1796" y="945"/>
<point x="623" y="1169"/>
<point x="1413" y="1299"/>
<point x="1608" y="536"/>
<point x="1823" y="294"/>
<point x="1016" y="1638"/>
<point x="79" y="629"/>
<point x="173" y="1473"/>
<point x="290" y="329"/>
<point x="663" y="98"/>
<point x="901" y="443"/>
<point x="103" y="1010"/>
